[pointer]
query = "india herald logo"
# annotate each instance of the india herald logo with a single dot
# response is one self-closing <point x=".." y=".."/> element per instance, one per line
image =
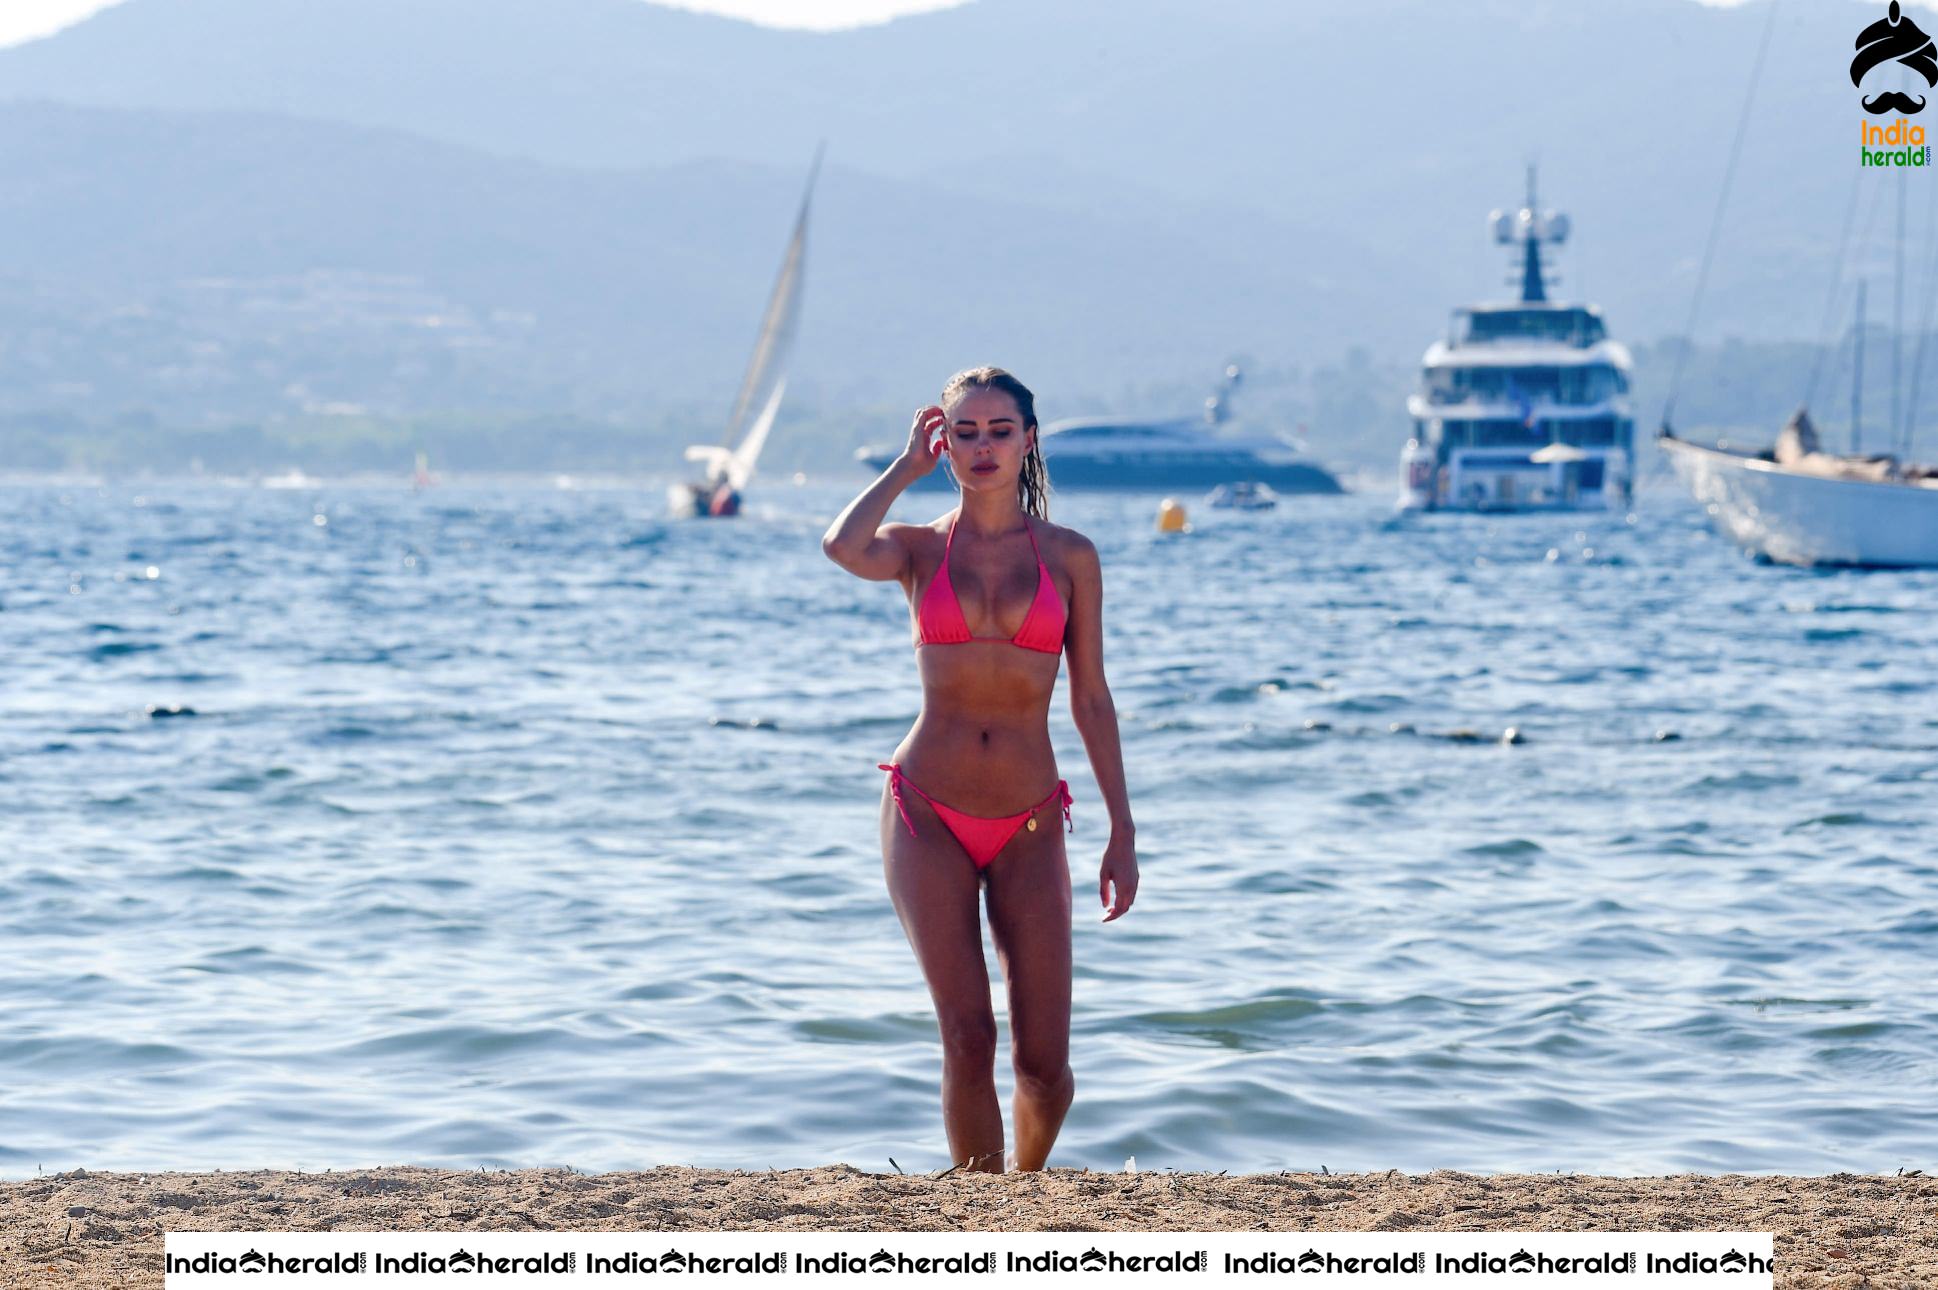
<point x="1894" y="38"/>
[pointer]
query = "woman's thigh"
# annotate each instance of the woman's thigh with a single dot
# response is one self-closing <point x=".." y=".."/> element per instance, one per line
<point x="1029" y="920"/>
<point x="936" y="892"/>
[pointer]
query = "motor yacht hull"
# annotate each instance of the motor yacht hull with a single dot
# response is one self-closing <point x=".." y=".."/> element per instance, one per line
<point x="1132" y="474"/>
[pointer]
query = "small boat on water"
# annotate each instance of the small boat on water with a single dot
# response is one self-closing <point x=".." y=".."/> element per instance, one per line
<point x="1245" y="495"/>
<point x="1133" y="454"/>
<point x="1524" y="406"/>
<point x="1796" y="504"/>
<point x="730" y="463"/>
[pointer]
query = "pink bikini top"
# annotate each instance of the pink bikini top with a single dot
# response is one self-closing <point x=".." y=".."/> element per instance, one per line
<point x="940" y="622"/>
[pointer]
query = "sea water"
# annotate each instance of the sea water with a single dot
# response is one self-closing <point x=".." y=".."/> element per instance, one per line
<point x="506" y="825"/>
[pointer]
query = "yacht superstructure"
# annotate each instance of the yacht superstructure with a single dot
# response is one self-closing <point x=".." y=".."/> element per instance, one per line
<point x="1133" y="454"/>
<point x="1524" y="405"/>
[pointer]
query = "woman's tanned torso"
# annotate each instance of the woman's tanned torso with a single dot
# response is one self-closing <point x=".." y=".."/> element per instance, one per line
<point x="983" y="732"/>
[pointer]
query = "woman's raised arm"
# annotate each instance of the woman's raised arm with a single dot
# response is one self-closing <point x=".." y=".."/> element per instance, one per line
<point x="856" y="540"/>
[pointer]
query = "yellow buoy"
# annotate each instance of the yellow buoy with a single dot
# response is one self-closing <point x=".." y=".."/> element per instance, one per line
<point x="1170" y="517"/>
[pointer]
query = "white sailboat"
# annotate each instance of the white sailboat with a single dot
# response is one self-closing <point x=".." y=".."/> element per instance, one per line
<point x="1795" y="503"/>
<point x="1793" y="517"/>
<point x="730" y="464"/>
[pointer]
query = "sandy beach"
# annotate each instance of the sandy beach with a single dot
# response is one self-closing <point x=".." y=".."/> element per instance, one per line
<point x="90" y="1230"/>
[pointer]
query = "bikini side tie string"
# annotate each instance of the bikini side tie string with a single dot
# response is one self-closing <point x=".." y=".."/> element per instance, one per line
<point x="895" y="790"/>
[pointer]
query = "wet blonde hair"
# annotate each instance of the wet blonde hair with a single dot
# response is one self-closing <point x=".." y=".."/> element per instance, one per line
<point x="1033" y="485"/>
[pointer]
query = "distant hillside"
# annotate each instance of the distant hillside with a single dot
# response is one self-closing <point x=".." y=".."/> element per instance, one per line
<point x="1397" y="125"/>
<point x="376" y="214"/>
<point x="248" y="264"/>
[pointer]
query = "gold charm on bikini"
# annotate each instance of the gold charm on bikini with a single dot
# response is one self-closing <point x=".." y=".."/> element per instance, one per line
<point x="1032" y="824"/>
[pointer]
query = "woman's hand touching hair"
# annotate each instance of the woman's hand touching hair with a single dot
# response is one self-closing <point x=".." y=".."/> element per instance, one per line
<point x="925" y="444"/>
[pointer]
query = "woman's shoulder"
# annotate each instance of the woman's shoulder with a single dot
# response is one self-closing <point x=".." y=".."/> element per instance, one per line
<point x="919" y="534"/>
<point x="1067" y="542"/>
<point x="921" y="544"/>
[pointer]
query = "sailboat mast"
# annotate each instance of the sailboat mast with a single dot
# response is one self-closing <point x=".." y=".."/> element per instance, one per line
<point x="1857" y="374"/>
<point x="1897" y="317"/>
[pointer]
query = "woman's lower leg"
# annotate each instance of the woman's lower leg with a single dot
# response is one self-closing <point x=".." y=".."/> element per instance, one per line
<point x="971" y="1112"/>
<point x="1039" y="1108"/>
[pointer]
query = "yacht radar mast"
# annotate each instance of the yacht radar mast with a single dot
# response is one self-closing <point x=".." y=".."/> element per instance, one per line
<point x="1528" y="228"/>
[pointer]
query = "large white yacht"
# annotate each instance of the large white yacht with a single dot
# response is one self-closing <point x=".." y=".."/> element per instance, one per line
<point x="1524" y="405"/>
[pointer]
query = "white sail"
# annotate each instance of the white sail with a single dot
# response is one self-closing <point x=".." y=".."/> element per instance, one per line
<point x="759" y="400"/>
<point x="715" y="458"/>
<point x="736" y="465"/>
<point x="740" y="467"/>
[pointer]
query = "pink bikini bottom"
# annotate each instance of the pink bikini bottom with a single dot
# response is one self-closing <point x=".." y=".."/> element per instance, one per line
<point x="981" y="836"/>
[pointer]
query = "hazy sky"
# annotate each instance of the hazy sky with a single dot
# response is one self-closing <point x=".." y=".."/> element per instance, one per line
<point x="24" y="19"/>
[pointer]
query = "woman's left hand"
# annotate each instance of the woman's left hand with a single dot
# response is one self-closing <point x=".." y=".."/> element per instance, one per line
<point x="1119" y="871"/>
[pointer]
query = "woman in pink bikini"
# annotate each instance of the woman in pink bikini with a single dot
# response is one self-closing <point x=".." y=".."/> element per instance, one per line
<point x="997" y="594"/>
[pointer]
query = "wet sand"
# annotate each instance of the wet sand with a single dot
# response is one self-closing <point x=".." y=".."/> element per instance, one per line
<point x="91" y="1230"/>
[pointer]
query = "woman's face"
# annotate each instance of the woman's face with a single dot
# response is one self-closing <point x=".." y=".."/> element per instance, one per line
<point x="987" y="441"/>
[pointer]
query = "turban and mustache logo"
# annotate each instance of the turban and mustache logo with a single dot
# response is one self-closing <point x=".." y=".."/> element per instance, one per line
<point x="1894" y="38"/>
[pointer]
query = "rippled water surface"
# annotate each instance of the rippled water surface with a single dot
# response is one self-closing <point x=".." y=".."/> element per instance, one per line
<point x="506" y="825"/>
